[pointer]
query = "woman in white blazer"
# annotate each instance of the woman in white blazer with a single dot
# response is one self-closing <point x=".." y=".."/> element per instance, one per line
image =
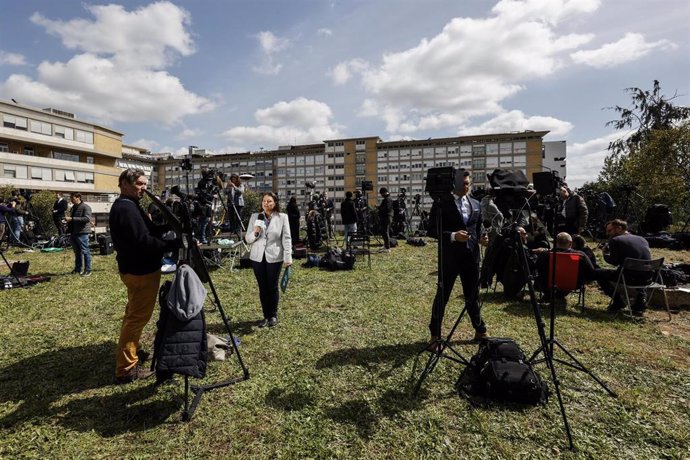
<point x="269" y="234"/>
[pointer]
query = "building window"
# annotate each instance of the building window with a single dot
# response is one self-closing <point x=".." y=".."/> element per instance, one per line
<point x="89" y="160"/>
<point x="40" y="127"/>
<point x="10" y="172"/>
<point x="86" y="137"/>
<point x="4" y="147"/>
<point x="10" y="121"/>
<point x="15" y="172"/>
<point x="63" y="132"/>
<point x="66" y="156"/>
<point x="506" y="148"/>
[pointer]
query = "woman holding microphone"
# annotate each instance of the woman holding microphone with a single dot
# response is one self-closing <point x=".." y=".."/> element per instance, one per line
<point x="271" y="248"/>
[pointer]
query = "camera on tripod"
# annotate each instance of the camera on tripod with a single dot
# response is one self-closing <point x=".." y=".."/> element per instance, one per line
<point x="444" y="180"/>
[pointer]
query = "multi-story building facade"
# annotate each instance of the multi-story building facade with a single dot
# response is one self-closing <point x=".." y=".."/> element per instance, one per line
<point x="339" y="165"/>
<point x="52" y="150"/>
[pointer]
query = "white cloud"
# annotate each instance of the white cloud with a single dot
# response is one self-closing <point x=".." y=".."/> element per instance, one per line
<point x="270" y="44"/>
<point x="147" y="144"/>
<point x="629" y="48"/>
<point x="471" y="67"/>
<point x="342" y="72"/>
<point x="515" y="120"/>
<point x="300" y="121"/>
<point x="189" y="133"/>
<point x="139" y="38"/>
<point x="323" y="32"/>
<point x="120" y="73"/>
<point x="585" y="159"/>
<point x="11" y="58"/>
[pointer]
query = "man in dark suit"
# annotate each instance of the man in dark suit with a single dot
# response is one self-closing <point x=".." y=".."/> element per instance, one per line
<point x="59" y="209"/>
<point x="385" y="217"/>
<point x="460" y="230"/>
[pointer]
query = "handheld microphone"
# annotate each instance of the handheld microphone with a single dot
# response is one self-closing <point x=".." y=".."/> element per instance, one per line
<point x="261" y="217"/>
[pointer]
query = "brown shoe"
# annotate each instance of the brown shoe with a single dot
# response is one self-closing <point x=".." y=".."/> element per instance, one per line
<point x="479" y="336"/>
<point x="434" y="344"/>
<point x="136" y="373"/>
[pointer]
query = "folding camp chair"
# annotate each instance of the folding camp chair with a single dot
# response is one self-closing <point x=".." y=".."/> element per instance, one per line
<point x="634" y="270"/>
<point x="359" y="243"/>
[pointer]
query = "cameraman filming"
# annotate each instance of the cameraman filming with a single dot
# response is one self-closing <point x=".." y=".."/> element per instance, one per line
<point x="326" y="208"/>
<point x="235" y="192"/>
<point x="206" y="188"/>
<point x="139" y="248"/>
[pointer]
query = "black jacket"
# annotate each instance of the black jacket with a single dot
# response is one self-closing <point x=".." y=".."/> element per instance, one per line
<point x="180" y="347"/>
<point x="386" y="209"/>
<point x="348" y="213"/>
<point x="137" y="241"/>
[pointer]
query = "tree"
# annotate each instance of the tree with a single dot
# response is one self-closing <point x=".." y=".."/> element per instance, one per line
<point x="652" y="157"/>
<point x="650" y="112"/>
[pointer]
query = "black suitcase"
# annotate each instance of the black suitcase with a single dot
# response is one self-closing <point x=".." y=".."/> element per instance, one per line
<point x="105" y="244"/>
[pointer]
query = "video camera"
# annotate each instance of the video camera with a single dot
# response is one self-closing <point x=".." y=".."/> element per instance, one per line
<point x="444" y="180"/>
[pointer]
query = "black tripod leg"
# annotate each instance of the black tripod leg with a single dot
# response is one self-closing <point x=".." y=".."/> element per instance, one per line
<point x="579" y="366"/>
<point x="428" y="368"/>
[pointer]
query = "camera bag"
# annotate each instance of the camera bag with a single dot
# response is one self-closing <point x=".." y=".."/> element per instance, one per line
<point x="499" y="371"/>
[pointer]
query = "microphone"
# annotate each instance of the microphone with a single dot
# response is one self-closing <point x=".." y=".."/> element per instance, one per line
<point x="260" y="218"/>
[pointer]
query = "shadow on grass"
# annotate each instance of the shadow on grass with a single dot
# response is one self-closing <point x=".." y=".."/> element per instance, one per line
<point x="357" y="413"/>
<point x="240" y="328"/>
<point x="397" y="354"/>
<point x="36" y="386"/>
<point x="289" y="401"/>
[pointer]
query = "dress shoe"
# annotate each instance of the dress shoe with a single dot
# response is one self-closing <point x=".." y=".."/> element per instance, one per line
<point x="262" y="323"/>
<point x="479" y="336"/>
<point x="638" y="312"/>
<point x="136" y="373"/>
<point x="273" y="321"/>
<point x="142" y="356"/>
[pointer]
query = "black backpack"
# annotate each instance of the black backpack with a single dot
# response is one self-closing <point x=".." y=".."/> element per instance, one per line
<point x="499" y="371"/>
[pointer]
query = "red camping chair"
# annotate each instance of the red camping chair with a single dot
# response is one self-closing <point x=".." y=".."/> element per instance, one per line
<point x="567" y="274"/>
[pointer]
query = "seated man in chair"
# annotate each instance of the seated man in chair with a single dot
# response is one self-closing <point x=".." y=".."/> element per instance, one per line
<point x="622" y="245"/>
<point x="564" y="243"/>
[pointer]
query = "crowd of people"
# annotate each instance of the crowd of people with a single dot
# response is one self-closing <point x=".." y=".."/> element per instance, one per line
<point x="466" y="225"/>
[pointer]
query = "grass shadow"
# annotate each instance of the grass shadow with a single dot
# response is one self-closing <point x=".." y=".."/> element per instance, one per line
<point x="126" y="412"/>
<point x="35" y="387"/>
<point x="368" y="357"/>
<point x="240" y="328"/>
<point x="289" y="401"/>
<point x="357" y="413"/>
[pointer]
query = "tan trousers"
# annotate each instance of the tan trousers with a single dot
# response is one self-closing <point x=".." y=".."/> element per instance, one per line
<point x="142" y="292"/>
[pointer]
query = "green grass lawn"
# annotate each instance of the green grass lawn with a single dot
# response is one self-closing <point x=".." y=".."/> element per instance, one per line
<point x="333" y="379"/>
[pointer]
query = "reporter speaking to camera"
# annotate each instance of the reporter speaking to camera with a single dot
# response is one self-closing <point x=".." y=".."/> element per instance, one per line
<point x="269" y="234"/>
<point x="139" y="248"/>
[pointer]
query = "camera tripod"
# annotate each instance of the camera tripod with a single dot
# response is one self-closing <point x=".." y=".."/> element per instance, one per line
<point x="441" y="347"/>
<point x="547" y="342"/>
<point x="192" y="255"/>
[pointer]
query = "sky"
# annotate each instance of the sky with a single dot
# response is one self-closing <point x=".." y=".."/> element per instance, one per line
<point x="249" y="75"/>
